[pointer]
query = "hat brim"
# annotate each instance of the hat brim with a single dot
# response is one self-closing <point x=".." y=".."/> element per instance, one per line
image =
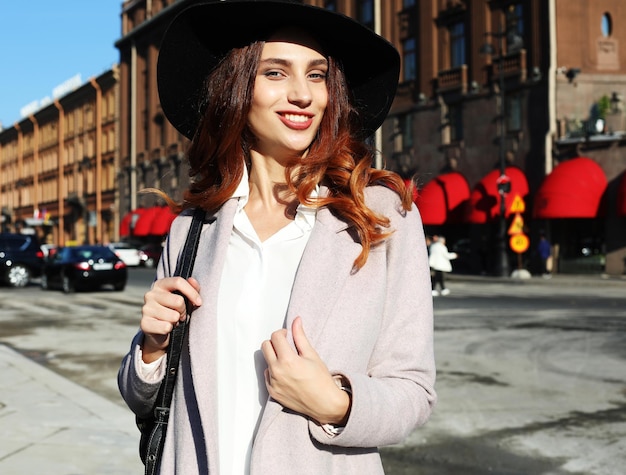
<point x="199" y="37"/>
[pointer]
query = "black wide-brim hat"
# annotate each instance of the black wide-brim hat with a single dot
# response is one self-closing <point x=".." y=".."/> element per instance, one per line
<point x="203" y="33"/>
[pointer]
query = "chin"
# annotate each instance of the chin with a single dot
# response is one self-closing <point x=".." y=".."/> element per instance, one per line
<point x="297" y="150"/>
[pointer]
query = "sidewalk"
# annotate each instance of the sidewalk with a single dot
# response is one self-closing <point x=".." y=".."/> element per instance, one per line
<point x="50" y="425"/>
<point x="593" y="280"/>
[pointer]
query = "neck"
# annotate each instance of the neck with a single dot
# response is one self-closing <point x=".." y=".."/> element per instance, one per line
<point x="268" y="186"/>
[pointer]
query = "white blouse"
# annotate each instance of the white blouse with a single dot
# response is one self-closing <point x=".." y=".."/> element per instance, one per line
<point x="252" y="303"/>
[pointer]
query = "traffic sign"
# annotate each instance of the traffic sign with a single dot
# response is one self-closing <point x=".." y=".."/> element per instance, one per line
<point x="503" y="183"/>
<point x="519" y="243"/>
<point x="518" y="205"/>
<point x="517" y="226"/>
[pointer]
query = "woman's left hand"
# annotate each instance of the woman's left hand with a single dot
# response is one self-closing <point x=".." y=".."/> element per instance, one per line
<point x="300" y="380"/>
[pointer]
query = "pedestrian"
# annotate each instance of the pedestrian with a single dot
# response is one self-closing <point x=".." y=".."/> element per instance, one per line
<point x="311" y="342"/>
<point x="544" y="249"/>
<point x="439" y="261"/>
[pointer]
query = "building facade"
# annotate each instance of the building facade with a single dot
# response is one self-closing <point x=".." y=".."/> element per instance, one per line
<point x="504" y="85"/>
<point x="151" y="150"/>
<point x="58" y="166"/>
<point x="494" y="96"/>
<point x="588" y="121"/>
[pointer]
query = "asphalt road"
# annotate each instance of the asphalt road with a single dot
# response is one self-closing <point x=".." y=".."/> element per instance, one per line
<point x="531" y="375"/>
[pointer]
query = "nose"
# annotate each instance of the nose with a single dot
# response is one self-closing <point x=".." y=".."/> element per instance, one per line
<point x="299" y="92"/>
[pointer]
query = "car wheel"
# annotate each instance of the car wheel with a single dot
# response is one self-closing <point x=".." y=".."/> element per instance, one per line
<point x="44" y="282"/>
<point x="18" y="276"/>
<point x="120" y="286"/>
<point x="68" y="285"/>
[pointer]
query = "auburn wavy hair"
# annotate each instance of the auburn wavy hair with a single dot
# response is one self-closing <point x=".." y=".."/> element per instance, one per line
<point x="337" y="158"/>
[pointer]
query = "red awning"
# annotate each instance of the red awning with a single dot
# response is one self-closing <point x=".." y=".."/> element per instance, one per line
<point x="574" y="189"/>
<point x="485" y="199"/>
<point x="125" y="224"/>
<point x="130" y="220"/>
<point x="162" y="221"/>
<point x="443" y="199"/>
<point x="144" y="223"/>
<point x="621" y="196"/>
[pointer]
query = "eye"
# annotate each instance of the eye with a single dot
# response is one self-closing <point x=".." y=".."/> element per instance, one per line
<point x="273" y="74"/>
<point x="318" y="76"/>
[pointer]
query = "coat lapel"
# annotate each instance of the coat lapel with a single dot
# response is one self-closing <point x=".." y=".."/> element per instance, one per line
<point x="326" y="264"/>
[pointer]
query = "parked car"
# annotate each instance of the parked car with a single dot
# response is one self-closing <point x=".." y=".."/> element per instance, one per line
<point x="130" y="254"/>
<point x="48" y="250"/>
<point x="151" y="253"/>
<point x="83" y="267"/>
<point x="21" y="258"/>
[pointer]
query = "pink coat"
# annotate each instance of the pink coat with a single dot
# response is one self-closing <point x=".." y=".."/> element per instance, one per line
<point x="374" y="326"/>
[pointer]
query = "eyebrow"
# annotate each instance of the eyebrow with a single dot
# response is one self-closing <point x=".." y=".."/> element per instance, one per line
<point x="285" y="62"/>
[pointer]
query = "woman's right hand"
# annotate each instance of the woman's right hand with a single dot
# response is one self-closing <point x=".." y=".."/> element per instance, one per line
<point x="162" y="310"/>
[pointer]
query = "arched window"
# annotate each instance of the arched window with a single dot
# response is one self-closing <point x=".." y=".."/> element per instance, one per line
<point x="606" y="25"/>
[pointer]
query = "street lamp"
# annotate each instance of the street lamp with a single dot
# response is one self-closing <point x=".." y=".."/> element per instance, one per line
<point x="503" y="182"/>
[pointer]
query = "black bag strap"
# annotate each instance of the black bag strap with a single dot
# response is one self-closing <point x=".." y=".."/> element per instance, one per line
<point x="184" y="267"/>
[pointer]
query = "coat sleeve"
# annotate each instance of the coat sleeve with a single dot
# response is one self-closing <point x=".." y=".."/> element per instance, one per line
<point x="139" y="393"/>
<point x="397" y="394"/>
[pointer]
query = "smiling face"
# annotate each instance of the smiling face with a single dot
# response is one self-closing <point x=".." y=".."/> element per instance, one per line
<point x="290" y="95"/>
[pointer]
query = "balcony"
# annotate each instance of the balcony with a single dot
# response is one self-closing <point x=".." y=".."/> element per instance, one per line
<point x="452" y="80"/>
<point x="512" y="65"/>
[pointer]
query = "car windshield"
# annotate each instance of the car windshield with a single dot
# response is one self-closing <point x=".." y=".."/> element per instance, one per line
<point x="14" y="244"/>
<point x="121" y="245"/>
<point x="90" y="253"/>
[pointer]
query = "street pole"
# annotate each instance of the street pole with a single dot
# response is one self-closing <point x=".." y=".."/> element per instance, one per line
<point x="502" y="260"/>
<point x="503" y="183"/>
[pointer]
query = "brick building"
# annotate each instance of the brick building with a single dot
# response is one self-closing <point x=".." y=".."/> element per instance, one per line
<point x="487" y="88"/>
<point x="58" y="165"/>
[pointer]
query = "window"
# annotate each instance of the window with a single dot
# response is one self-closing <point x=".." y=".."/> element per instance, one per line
<point x="104" y="142"/>
<point x="111" y="105"/>
<point x="409" y="59"/>
<point x="514" y="28"/>
<point x="457" y="45"/>
<point x="89" y="116"/>
<point x="513" y="113"/>
<point x="606" y="25"/>
<point x="365" y="13"/>
<point x="405" y="125"/>
<point x="455" y="122"/>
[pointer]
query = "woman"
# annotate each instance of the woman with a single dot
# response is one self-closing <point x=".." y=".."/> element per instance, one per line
<point x="311" y="341"/>
<point x="439" y="260"/>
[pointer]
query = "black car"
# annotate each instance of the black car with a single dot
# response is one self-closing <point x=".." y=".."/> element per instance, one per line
<point x="84" y="267"/>
<point x="150" y="254"/>
<point x="20" y="258"/>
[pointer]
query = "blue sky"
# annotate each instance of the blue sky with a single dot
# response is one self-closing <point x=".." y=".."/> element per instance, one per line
<point x="44" y="43"/>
